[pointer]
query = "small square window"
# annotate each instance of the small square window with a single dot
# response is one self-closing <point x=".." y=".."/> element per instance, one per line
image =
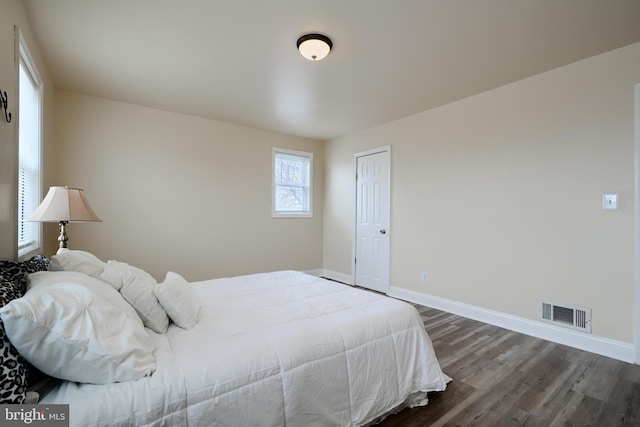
<point x="292" y="194"/>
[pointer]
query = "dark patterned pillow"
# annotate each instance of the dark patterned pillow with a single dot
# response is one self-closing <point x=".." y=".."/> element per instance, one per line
<point x="17" y="272"/>
<point x="37" y="263"/>
<point x="13" y="368"/>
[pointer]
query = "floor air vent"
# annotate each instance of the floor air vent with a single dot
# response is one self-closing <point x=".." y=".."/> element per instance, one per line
<point x="578" y="318"/>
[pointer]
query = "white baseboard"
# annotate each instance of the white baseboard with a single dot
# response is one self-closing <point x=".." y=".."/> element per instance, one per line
<point x="594" y="344"/>
<point x="315" y="272"/>
<point x="338" y="277"/>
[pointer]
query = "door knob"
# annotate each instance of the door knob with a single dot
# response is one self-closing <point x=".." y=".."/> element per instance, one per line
<point x="383" y="231"/>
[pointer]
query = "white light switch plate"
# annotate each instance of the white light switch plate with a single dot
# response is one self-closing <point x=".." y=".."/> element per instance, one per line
<point x="610" y="201"/>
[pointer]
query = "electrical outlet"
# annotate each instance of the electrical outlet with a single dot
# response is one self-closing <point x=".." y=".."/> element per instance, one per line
<point x="424" y="276"/>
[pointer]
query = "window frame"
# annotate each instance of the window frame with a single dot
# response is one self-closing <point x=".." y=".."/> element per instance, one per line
<point x="308" y="213"/>
<point x="24" y="60"/>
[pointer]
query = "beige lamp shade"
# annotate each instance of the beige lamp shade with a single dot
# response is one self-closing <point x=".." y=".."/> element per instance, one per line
<point x="64" y="204"/>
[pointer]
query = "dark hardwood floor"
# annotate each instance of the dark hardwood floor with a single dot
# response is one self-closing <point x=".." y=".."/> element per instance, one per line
<point x="503" y="378"/>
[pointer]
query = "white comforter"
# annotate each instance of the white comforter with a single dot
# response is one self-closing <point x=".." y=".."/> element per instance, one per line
<point x="273" y="349"/>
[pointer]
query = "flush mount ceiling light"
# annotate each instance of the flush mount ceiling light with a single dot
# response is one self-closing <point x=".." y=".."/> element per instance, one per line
<point x="314" y="47"/>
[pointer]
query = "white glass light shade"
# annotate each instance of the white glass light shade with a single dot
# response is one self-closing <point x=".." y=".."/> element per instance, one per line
<point x="314" y="47"/>
<point x="64" y="204"/>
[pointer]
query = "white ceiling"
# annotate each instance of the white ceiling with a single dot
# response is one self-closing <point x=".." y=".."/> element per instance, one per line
<point x="236" y="60"/>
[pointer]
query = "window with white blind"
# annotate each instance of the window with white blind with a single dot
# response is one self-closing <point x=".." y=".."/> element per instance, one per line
<point x="29" y="152"/>
<point x="292" y="178"/>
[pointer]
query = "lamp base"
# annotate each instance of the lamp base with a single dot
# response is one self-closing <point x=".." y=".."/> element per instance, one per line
<point x="62" y="238"/>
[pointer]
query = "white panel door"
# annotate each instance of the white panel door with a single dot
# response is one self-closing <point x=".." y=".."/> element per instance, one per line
<point x="372" y="221"/>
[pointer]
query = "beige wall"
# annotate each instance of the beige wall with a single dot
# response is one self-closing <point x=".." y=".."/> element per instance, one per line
<point x="181" y="193"/>
<point x="498" y="196"/>
<point x="12" y="14"/>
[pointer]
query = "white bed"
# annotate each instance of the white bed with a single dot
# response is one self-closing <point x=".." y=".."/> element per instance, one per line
<point x="273" y="349"/>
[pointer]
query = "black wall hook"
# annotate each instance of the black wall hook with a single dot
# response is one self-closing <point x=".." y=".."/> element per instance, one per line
<point x="3" y="103"/>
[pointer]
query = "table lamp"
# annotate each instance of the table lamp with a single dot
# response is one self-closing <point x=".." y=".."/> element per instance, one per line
<point x="64" y="205"/>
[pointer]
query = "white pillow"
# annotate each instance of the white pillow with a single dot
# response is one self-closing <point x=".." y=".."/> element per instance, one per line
<point x="136" y="286"/>
<point x="74" y="327"/>
<point x="179" y="300"/>
<point x="80" y="261"/>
